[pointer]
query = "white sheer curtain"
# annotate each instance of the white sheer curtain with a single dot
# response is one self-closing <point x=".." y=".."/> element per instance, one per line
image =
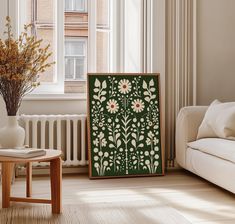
<point x="179" y="70"/>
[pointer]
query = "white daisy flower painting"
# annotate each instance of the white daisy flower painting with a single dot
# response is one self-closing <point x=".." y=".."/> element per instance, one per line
<point x="124" y="125"/>
<point x="112" y="106"/>
<point x="124" y="86"/>
<point x="137" y="105"/>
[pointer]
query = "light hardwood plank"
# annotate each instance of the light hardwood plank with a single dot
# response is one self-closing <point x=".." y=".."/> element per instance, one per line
<point x="180" y="193"/>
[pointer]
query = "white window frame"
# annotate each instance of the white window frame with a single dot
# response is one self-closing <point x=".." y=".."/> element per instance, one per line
<point x="56" y="87"/>
<point x="78" y="39"/>
<point x="84" y="10"/>
<point x="113" y="30"/>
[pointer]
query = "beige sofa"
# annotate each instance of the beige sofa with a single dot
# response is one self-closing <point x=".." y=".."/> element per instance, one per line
<point x="213" y="158"/>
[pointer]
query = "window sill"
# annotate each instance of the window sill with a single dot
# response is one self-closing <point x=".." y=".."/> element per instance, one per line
<point x="57" y="97"/>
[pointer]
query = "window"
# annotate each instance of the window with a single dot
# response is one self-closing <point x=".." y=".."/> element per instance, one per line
<point x="109" y="41"/>
<point x="66" y="23"/>
<point x="75" y="59"/>
<point x="76" y="5"/>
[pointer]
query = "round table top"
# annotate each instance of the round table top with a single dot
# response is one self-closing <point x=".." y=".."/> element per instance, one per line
<point x="50" y="155"/>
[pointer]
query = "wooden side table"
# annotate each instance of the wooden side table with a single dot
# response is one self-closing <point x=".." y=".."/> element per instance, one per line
<point x="52" y="156"/>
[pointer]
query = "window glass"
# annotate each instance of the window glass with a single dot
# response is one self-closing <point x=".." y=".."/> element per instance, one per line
<point x="79" y="5"/>
<point x="80" y="68"/>
<point x="41" y="14"/>
<point x="75" y="59"/>
<point x="69" y="68"/>
<point x="75" y="47"/>
<point x="75" y="5"/>
<point x="102" y="13"/>
<point x="68" y="5"/>
<point x="103" y="36"/>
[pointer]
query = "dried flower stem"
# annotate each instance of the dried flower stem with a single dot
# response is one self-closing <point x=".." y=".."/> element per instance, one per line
<point x="22" y="61"/>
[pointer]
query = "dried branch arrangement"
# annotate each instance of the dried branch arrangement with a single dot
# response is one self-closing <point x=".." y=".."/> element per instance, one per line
<point x="22" y="60"/>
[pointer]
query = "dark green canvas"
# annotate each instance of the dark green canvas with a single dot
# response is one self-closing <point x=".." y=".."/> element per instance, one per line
<point x="124" y="125"/>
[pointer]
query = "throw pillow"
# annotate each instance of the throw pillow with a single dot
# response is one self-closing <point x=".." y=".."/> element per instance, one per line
<point x="219" y="121"/>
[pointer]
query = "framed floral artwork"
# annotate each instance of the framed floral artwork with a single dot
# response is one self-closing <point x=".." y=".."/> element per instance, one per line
<point x="124" y="125"/>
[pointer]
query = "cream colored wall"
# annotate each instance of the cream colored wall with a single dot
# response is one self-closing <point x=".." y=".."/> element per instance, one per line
<point x="215" y="50"/>
<point x="2" y="113"/>
<point x="53" y="106"/>
<point x="3" y="11"/>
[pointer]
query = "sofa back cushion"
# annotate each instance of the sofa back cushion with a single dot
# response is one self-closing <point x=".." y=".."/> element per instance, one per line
<point x="219" y="121"/>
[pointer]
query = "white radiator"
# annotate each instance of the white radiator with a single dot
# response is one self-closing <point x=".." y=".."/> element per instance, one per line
<point x="62" y="132"/>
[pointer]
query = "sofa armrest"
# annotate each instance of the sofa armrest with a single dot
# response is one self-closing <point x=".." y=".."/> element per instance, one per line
<point x="187" y="124"/>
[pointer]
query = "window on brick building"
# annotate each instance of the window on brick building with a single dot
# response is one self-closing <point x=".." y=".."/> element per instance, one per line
<point x="75" y="58"/>
<point x="76" y="5"/>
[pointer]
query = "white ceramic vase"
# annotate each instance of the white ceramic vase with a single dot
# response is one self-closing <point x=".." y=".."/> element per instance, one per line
<point x="12" y="135"/>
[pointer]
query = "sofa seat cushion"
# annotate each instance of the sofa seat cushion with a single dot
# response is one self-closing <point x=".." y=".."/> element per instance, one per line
<point x="222" y="148"/>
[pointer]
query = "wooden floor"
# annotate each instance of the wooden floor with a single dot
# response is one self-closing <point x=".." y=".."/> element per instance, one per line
<point x="193" y="198"/>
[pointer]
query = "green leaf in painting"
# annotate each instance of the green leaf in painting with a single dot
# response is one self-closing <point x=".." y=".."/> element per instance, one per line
<point x="133" y="135"/>
<point x="104" y="84"/>
<point x="134" y="162"/>
<point x="97" y="83"/>
<point x="147" y="98"/>
<point x="118" y="135"/>
<point x="133" y="142"/>
<point x="146" y="93"/>
<point x="111" y="145"/>
<point x="144" y="85"/>
<point x="103" y="93"/>
<point x="118" y="142"/>
<point x="151" y="83"/>
<point x="102" y="99"/>
<point x="111" y="138"/>
<point x="95" y="128"/>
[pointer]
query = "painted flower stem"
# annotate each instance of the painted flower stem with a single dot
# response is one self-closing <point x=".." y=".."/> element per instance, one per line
<point x="126" y="140"/>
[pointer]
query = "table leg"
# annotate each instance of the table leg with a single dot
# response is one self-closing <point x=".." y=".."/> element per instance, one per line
<point x="7" y="171"/>
<point x="28" y="179"/>
<point x="56" y="185"/>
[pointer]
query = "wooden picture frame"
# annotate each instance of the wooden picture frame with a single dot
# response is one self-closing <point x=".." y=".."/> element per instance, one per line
<point x="124" y="125"/>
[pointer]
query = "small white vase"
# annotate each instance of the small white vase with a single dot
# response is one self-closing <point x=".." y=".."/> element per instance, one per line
<point x="12" y="135"/>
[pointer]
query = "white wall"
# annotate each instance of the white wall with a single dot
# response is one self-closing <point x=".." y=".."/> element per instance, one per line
<point x="3" y="14"/>
<point x="215" y="50"/>
<point x="53" y="106"/>
<point x="2" y="113"/>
